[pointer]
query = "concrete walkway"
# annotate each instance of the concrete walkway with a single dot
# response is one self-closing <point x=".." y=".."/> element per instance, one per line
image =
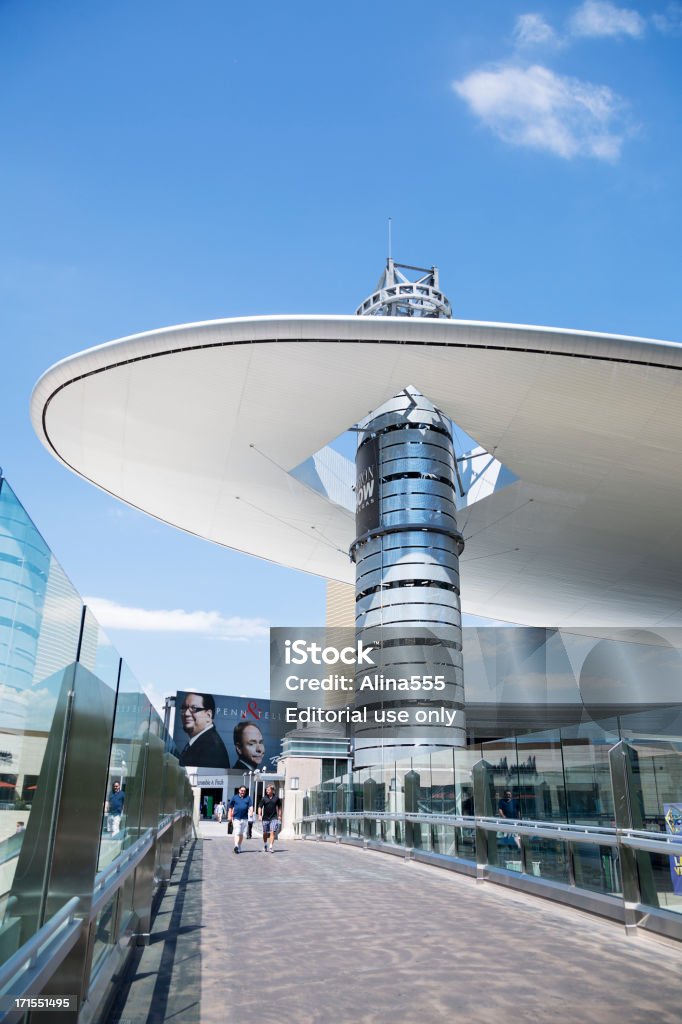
<point x="331" y="934"/>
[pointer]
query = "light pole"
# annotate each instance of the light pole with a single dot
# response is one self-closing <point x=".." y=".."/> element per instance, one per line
<point x="168" y="703"/>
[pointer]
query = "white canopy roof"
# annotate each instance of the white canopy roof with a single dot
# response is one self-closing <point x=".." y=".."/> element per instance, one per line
<point x="200" y="426"/>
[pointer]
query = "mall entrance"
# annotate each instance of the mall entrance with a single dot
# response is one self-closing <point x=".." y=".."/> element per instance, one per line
<point x="210" y="798"/>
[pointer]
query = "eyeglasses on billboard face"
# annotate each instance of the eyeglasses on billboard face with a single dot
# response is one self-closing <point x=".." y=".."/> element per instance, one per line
<point x="192" y="708"/>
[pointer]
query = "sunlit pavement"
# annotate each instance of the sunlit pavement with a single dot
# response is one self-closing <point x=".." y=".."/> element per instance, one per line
<point x="318" y="932"/>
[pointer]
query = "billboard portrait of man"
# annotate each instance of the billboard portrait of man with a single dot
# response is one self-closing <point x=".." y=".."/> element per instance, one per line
<point x="228" y="732"/>
<point x="249" y="746"/>
<point x="204" y="747"/>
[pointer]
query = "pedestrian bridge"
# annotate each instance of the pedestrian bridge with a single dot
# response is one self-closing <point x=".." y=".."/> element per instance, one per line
<point x="323" y="931"/>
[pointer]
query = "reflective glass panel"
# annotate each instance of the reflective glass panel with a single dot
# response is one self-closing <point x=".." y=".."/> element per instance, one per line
<point x="123" y="803"/>
<point x="40" y="620"/>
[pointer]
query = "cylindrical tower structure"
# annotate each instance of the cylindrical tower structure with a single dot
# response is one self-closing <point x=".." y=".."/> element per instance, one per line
<point x="407" y="576"/>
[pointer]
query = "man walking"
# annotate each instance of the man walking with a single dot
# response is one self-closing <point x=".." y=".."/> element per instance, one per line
<point x="270" y="814"/>
<point x="238" y="814"/>
<point x="114" y="809"/>
<point x="508" y="807"/>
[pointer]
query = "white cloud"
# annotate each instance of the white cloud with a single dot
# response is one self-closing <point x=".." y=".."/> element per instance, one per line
<point x="116" y="616"/>
<point x="155" y="697"/>
<point x="536" y="108"/>
<point x="34" y="706"/>
<point x="602" y="18"/>
<point x="533" y="30"/>
<point x="670" y="22"/>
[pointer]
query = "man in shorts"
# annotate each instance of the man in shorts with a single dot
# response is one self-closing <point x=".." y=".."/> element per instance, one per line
<point x="270" y="814"/>
<point x="238" y="814"/>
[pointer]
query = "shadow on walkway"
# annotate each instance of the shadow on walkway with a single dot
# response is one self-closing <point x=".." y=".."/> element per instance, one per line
<point x="162" y="983"/>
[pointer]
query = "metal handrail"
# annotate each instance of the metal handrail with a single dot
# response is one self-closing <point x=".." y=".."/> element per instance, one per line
<point x="651" y="842"/>
<point x="560" y="831"/>
<point x="27" y="970"/>
<point x="107" y="882"/>
<point x="165" y="823"/>
<point x="26" y="961"/>
<point x="10" y="847"/>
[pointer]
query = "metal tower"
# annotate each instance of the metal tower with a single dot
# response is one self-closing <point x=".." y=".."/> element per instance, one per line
<point x="407" y="546"/>
<point x="396" y="295"/>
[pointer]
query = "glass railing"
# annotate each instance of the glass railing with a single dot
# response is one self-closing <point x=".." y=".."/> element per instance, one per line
<point x="574" y="813"/>
<point x="92" y="799"/>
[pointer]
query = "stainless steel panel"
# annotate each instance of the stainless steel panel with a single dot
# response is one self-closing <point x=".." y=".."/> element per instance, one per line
<point x="416" y="435"/>
<point x="619" y="764"/>
<point x="77" y="821"/>
<point x="434" y="467"/>
<point x="414" y="499"/>
<point x="484" y="801"/>
<point x="437" y="518"/>
<point x="410" y="542"/>
<point x="411" y="594"/>
<point x="164" y="859"/>
<point x="394" y="488"/>
<point x="390" y="558"/>
<point x="151" y="805"/>
<point x="419" y="614"/>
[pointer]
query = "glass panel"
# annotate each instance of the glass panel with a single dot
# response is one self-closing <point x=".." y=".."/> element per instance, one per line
<point x="502" y="756"/>
<point x="658" y="782"/>
<point x="97" y="652"/>
<point x="589" y="797"/>
<point x="443" y="782"/>
<point x="159" y="736"/>
<point x="505" y="850"/>
<point x="597" y="868"/>
<point x="465" y="842"/>
<point x="421" y="764"/>
<point x="465" y="759"/>
<point x="40" y="618"/>
<point x="443" y="840"/>
<point x="390" y="830"/>
<point x="656" y="803"/>
<point x="542" y="780"/>
<point x="130" y="733"/>
<point x="659" y="880"/>
<point x="548" y="859"/>
<point x="402" y="767"/>
<point x="104" y="931"/>
<point x="121" y="819"/>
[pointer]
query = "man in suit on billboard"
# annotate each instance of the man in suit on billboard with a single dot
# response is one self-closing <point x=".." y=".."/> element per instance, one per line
<point x="205" y="748"/>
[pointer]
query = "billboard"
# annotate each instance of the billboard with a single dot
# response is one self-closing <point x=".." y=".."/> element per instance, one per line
<point x="673" y="826"/>
<point x="226" y="733"/>
<point x="367" y="515"/>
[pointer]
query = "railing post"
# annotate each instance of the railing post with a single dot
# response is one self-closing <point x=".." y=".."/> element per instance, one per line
<point x="638" y="883"/>
<point x="413" y="832"/>
<point x="369" y="791"/>
<point x="341" y="808"/>
<point x="486" y="842"/>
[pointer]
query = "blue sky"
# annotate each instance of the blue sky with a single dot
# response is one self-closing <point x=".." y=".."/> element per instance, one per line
<point x="171" y="162"/>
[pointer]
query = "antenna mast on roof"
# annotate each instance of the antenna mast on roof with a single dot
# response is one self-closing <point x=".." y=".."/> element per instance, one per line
<point x="396" y="295"/>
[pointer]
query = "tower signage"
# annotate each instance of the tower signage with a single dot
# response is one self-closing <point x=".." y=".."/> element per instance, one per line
<point x="367" y="487"/>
